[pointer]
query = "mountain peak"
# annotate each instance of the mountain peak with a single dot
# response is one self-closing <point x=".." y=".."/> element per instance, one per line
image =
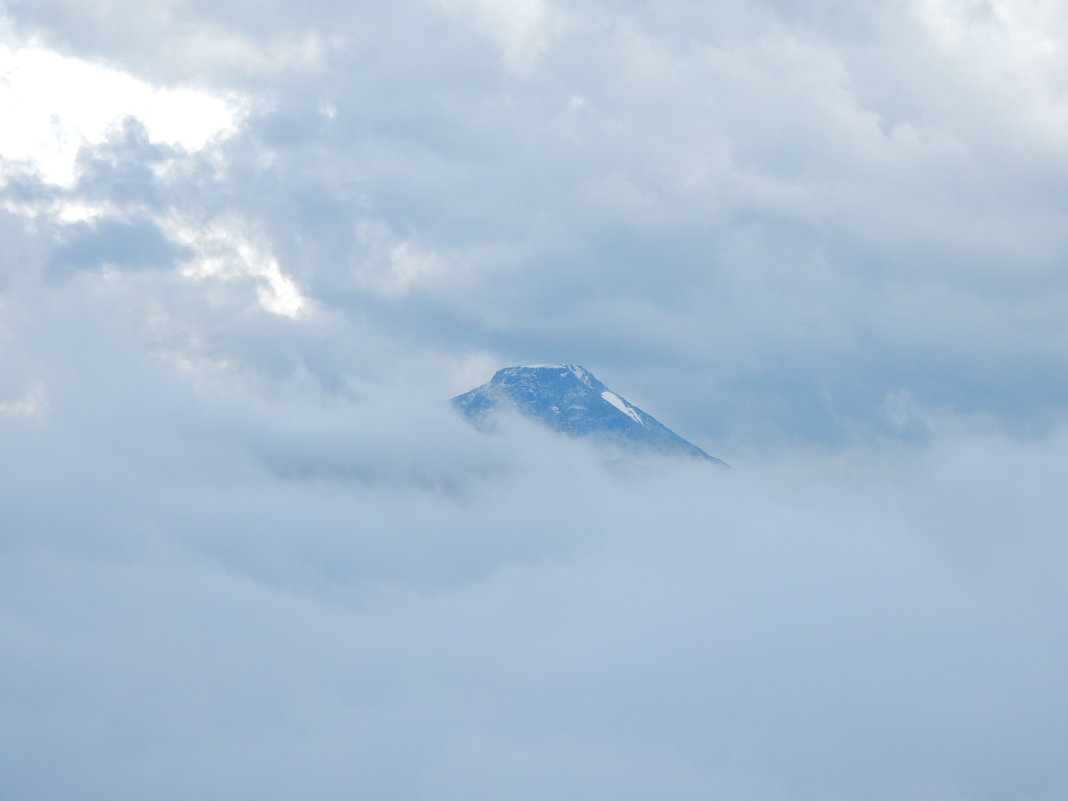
<point x="570" y="399"/>
<point x="575" y="369"/>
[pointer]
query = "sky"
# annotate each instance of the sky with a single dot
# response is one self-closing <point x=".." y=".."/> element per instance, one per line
<point x="247" y="551"/>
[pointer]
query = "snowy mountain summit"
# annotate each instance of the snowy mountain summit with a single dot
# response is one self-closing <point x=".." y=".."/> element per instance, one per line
<point x="569" y="399"/>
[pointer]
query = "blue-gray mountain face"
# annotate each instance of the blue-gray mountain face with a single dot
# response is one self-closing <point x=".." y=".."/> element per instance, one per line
<point x="570" y="399"/>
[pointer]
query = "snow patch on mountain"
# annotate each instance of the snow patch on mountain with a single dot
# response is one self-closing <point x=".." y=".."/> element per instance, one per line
<point x="621" y="404"/>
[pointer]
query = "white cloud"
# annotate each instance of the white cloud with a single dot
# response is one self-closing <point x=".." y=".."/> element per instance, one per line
<point x="392" y="267"/>
<point x="226" y="50"/>
<point x="33" y="403"/>
<point x="1009" y="55"/>
<point x="521" y="29"/>
<point x="224" y="250"/>
<point x="53" y="105"/>
<point x="399" y="604"/>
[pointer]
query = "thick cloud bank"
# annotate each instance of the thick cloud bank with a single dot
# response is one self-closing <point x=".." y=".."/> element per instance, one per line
<point x="219" y="583"/>
<point x="248" y="552"/>
<point x="238" y="598"/>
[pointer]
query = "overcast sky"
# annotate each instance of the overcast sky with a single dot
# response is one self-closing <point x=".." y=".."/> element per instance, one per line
<point x="250" y="249"/>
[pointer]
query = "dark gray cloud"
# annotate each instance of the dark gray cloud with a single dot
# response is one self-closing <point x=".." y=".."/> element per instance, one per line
<point x="137" y="244"/>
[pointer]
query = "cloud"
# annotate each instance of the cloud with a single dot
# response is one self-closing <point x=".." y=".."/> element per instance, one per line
<point x="768" y="198"/>
<point x="227" y="573"/>
<point x="136" y="243"/>
<point x="523" y="30"/>
<point x="245" y="591"/>
<point x="61" y="103"/>
<point x="249" y="552"/>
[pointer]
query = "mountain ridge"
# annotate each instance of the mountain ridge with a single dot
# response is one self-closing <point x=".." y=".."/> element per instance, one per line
<point x="570" y="399"/>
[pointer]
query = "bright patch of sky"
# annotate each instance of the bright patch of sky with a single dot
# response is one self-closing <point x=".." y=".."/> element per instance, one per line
<point x="52" y="105"/>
